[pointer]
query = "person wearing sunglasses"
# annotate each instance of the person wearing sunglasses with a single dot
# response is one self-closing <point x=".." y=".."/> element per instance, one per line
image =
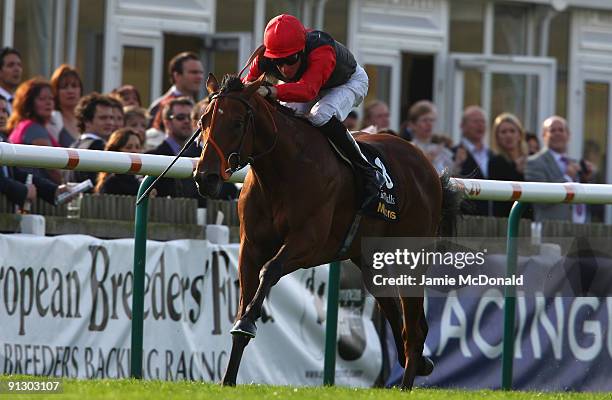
<point x="320" y="79"/>
<point x="176" y="116"/>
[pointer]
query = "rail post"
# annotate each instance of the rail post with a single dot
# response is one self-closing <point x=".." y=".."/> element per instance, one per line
<point x="331" y="324"/>
<point x="140" y="258"/>
<point x="510" y="294"/>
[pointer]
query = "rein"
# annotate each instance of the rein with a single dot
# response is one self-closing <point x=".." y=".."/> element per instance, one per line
<point x="193" y="137"/>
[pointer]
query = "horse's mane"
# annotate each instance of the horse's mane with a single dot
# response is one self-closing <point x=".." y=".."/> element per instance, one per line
<point x="233" y="83"/>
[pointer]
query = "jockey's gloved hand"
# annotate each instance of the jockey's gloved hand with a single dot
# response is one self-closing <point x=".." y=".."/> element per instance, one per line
<point x="267" y="91"/>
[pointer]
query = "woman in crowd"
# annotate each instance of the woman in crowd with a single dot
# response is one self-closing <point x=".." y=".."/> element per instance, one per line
<point x="128" y="95"/>
<point x="137" y="119"/>
<point x="421" y="120"/>
<point x="67" y="90"/>
<point x="509" y="162"/>
<point x="32" y="108"/>
<point x="128" y="141"/>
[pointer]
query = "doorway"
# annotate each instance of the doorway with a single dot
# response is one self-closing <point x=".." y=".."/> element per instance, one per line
<point x="417" y="80"/>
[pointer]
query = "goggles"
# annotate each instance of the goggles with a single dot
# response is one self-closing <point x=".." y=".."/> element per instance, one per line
<point x="289" y="60"/>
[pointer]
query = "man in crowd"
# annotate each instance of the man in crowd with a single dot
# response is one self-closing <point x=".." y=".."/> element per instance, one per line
<point x="376" y="116"/>
<point x="176" y="115"/>
<point x="95" y="117"/>
<point x="10" y="74"/>
<point x="551" y="164"/>
<point x="472" y="154"/>
<point x="187" y="76"/>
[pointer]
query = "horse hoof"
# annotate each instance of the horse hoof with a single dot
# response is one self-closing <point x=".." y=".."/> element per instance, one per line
<point x="244" y="327"/>
<point x="228" y="383"/>
<point x="426" y="366"/>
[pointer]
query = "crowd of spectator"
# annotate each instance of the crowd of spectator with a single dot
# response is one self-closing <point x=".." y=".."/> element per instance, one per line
<point x="513" y="155"/>
<point x="57" y="112"/>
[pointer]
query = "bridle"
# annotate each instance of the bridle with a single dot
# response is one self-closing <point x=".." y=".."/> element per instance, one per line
<point x="234" y="160"/>
<point x="197" y="133"/>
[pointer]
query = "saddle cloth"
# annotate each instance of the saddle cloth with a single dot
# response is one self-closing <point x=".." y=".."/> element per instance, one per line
<point x="386" y="208"/>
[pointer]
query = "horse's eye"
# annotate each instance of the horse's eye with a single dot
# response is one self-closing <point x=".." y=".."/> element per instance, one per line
<point x="238" y="124"/>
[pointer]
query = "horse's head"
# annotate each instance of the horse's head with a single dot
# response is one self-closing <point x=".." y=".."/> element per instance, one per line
<point x="227" y="133"/>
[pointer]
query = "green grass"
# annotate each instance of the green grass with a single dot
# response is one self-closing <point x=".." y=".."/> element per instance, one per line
<point x="128" y="389"/>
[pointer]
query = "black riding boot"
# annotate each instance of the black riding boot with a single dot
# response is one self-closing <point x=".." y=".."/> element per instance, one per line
<point x="344" y="141"/>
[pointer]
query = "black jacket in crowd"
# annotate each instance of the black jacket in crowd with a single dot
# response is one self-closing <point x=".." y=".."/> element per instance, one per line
<point x="124" y="184"/>
<point x="471" y="170"/>
<point x="177" y="187"/>
<point x="14" y="188"/>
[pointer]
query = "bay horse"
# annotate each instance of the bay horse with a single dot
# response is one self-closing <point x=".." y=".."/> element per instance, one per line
<point x="298" y="202"/>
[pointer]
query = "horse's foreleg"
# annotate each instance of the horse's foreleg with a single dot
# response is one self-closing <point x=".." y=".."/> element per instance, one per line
<point x="248" y="278"/>
<point x="239" y="342"/>
<point x="269" y="275"/>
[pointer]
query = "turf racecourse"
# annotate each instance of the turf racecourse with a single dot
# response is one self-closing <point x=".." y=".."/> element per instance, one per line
<point x="128" y="389"/>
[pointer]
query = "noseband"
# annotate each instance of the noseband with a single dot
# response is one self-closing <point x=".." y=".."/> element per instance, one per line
<point x="234" y="161"/>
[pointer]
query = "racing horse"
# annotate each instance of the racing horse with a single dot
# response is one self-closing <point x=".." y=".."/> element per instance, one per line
<point x="299" y="201"/>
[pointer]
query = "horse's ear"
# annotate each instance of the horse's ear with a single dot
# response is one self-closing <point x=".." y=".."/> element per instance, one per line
<point x="253" y="86"/>
<point x="212" y="84"/>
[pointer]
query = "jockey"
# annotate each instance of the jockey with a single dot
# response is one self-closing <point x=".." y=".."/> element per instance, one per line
<point x="322" y="81"/>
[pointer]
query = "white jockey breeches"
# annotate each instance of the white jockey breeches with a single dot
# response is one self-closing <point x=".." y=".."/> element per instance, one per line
<point x="337" y="101"/>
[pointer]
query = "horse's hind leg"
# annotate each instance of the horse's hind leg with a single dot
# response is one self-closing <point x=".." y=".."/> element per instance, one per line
<point x="426" y="366"/>
<point x="392" y="313"/>
<point x="391" y="309"/>
<point x="414" y="338"/>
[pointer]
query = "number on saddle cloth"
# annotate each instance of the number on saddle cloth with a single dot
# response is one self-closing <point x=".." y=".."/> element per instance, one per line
<point x="386" y="207"/>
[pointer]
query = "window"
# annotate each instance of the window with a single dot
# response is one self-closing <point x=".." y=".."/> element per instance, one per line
<point x="510" y="29"/>
<point x="33" y="36"/>
<point x="595" y="134"/>
<point x="336" y="19"/>
<point x="134" y="59"/>
<point x="510" y="94"/>
<point x="90" y="44"/>
<point x="466" y="26"/>
<point x="472" y="91"/>
<point x="380" y="83"/>
<point x="235" y="16"/>
<point x="277" y="7"/>
<point x="558" y="48"/>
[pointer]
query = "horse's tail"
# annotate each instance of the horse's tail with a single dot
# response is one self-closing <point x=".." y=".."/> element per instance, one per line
<point x="451" y="206"/>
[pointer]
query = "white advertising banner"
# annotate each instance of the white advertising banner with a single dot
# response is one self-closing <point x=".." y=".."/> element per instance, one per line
<point x="65" y="311"/>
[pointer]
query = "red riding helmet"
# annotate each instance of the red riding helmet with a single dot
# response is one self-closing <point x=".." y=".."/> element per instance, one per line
<point x="285" y="35"/>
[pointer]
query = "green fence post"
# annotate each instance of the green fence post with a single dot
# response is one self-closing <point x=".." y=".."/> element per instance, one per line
<point x="510" y="294"/>
<point x="140" y="257"/>
<point x="331" y="327"/>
